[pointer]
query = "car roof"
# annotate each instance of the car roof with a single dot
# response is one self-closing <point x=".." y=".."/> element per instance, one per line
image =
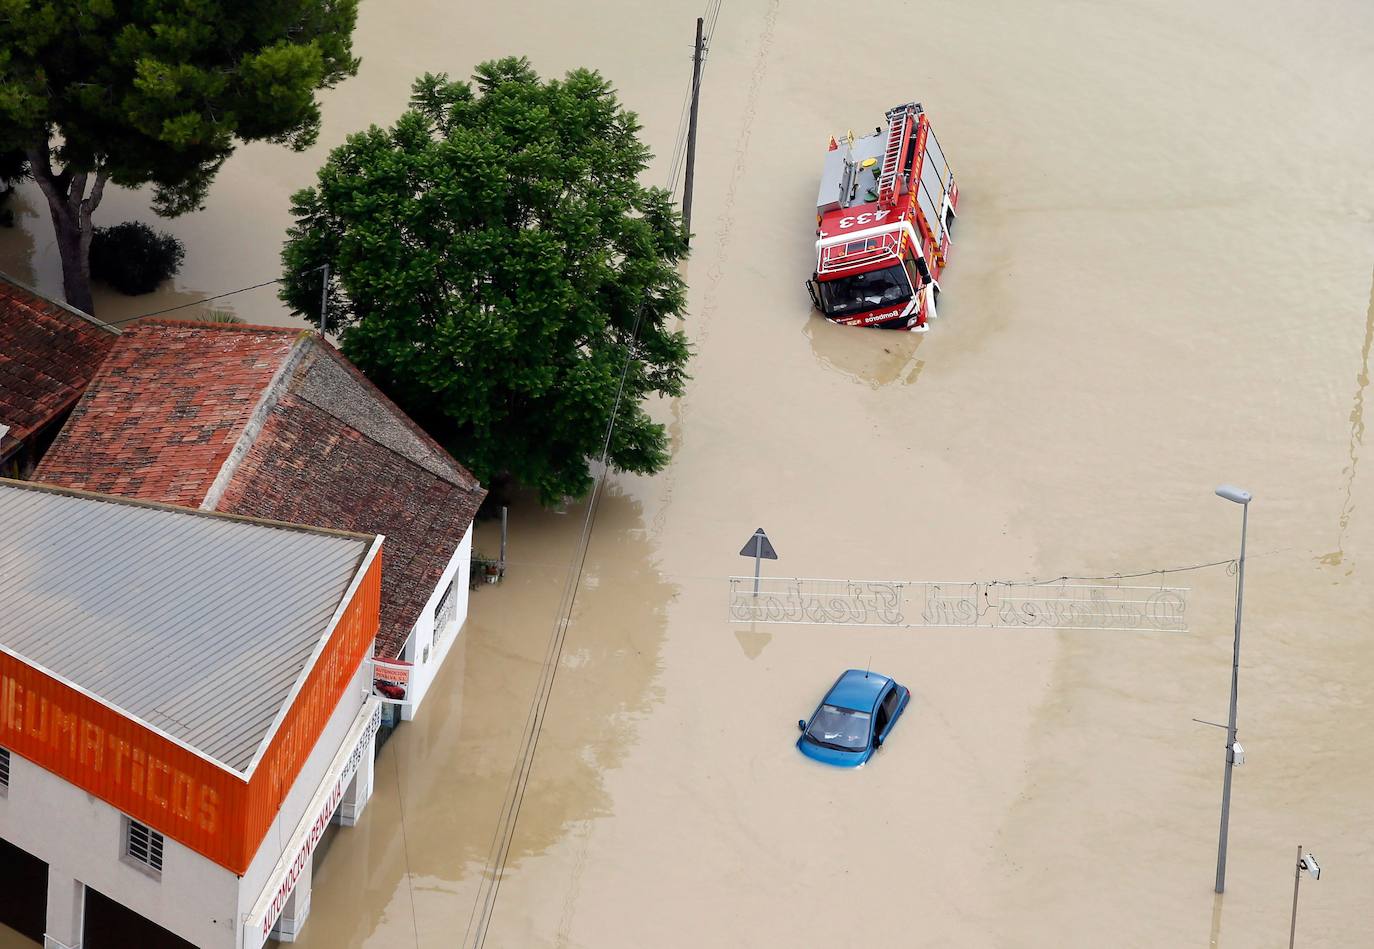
<point x="857" y="689"/>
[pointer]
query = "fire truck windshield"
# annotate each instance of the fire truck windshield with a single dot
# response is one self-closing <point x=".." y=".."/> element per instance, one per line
<point x="865" y="291"/>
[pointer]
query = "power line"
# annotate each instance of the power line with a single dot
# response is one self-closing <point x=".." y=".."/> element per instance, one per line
<point x="182" y="306"/>
<point x="1003" y="581"/>
<point x="1158" y="572"/>
<point x="525" y="763"/>
<point x="405" y="844"/>
<point x="675" y="167"/>
<point x="504" y="833"/>
<point x="217" y="296"/>
<point x="679" y="154"/>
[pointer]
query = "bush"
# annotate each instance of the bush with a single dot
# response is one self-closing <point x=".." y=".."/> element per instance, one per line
<point x="217" y="316"/>
<point x="133" y="258"/>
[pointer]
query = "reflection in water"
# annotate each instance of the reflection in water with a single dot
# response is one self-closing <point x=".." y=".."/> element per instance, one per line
<point x="876" y="358"/>
<point x="753" y="640"/>
<point x="1335" y="557"/>
<point x="1216" y="921"/>
<point x="9" y="939"/>
<point x="20" y="258"/>
<point x="441" y="780"/>
<point x="16" y="242"/>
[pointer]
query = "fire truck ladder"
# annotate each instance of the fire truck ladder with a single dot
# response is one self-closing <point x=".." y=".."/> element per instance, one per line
<point x="898" y="131"/>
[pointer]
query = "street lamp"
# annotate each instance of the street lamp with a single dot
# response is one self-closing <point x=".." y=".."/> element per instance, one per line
<point x="1308" y="863"/>
<point x="1241" y="497"/>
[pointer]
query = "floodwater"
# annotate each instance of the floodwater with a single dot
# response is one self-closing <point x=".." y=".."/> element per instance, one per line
<point x="1162" y="279"/>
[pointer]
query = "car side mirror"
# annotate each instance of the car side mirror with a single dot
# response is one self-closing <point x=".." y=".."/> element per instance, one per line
<point x="801" y="724"/>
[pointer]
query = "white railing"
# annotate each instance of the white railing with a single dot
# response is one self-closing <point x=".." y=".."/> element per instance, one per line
<point x="986" y="604"/>
<point x="839" y="256"/>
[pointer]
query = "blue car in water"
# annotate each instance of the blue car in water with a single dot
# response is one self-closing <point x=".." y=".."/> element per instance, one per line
<point x="854" y="718"/>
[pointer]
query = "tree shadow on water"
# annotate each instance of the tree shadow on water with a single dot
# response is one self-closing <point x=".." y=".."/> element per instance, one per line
<point x="450" y="770"/>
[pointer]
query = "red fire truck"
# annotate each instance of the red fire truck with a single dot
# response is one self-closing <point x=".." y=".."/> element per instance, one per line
<point x="883" y="215"/>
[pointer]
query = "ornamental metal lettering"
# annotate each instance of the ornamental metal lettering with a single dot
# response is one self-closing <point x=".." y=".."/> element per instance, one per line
<point x="266" y="920"/>
<point x="981" y="604"/>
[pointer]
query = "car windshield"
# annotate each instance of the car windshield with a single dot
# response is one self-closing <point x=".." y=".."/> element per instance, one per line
<point x="841" y="728"/>
<point x="865" y="291"/>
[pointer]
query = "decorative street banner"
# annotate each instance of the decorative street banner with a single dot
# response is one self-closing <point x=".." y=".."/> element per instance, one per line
<point x="986" y="604"/>
<point x="391" y="680"/>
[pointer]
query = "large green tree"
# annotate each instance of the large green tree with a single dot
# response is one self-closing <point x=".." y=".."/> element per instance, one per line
<point x="495" y="259"/>
<point x="157" y="92"/>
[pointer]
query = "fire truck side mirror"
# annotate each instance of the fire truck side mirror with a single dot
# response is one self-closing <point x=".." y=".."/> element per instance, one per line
<point x="811" y="289"/>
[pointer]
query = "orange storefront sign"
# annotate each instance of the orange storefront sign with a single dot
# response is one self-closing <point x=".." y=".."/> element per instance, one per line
<point x="350" y="643"/>
<point x="205" y="806"/>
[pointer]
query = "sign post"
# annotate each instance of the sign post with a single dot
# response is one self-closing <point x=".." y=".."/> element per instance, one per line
<point x="1308" y="863"/>
<point x="760" y="548"/>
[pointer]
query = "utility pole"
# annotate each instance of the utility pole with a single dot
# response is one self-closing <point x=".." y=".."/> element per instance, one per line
<point x="504" y="513"/>
<point x="1297" y="877"/>
<point x="698" y="51"/>
<point x="1242" y="497"/>
<point x="324" y="297"/>
<point x="1310" y="864"/>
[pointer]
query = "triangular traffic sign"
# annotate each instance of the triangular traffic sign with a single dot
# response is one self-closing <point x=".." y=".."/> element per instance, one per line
<point x="759" y="546"/>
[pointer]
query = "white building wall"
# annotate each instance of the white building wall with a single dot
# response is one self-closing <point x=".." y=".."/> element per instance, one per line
<point x="255" y="878"/>
<point x="81" y="837"/>
<point x="426" y="649"/>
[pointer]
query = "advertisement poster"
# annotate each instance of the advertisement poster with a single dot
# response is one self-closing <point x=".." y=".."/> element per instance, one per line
<point x="391" y="680"/>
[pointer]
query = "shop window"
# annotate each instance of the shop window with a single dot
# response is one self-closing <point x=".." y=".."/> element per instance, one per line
<point x="4" y="772"/>
<point x="142" y="847"/>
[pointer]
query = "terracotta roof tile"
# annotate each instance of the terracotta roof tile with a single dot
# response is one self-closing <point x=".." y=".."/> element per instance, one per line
<point x="308" y="467"/>
<point x="320" y="446"/>
<point x="165" y="410"/>
<point x="48" y="355"/>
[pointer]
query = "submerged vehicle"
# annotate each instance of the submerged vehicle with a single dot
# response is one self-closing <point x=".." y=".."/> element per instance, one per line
<point x="854" y="718"/>
<point x="886" y="204"/>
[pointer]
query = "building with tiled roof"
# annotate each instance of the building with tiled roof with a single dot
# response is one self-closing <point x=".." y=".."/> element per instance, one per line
<point x="48" y="354"/>
<point x="275" y="423"/>
<point x="183" y="708"/>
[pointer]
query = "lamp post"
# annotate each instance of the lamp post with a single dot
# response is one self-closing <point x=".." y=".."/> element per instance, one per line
<point x="1241" y="497"/>
<point x="1308" y="863"/>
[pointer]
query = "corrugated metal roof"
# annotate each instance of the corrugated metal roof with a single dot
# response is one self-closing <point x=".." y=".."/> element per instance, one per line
<point x="199" y="624"/>
<point x="273" y="423"/>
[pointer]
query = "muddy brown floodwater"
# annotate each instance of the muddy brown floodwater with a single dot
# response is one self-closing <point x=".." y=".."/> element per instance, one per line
<point x="1161" y="280"/>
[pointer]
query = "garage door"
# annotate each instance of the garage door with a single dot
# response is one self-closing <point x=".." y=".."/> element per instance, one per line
<point x="24" y="884"/>
<point x="111" y="925"/>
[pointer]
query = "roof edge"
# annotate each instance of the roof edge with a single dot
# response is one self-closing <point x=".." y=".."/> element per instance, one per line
<point x="122" y="712"/>
<point x="21" y="435"/>
<point x="226" y="327"/>
<point x="252" y="428"/>
<point x="46" y="488"/>
<point x="108" y="327"/>
<point x="287" y="703"/>
<point x="402" y="415"/>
